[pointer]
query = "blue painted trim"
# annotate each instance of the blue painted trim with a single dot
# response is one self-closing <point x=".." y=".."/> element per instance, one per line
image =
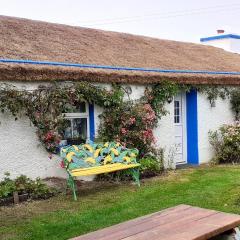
<point x="220" y="37"/>
<point x="192" y="128"/>
<point x="91" y="122"/>
<point x="118" y="68"/>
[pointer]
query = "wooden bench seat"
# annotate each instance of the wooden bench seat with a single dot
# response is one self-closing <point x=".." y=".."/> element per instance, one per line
<point x="182" y="222"/>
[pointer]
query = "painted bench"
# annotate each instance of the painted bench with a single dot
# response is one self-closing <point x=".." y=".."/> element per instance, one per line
<point x="97" y="158"/>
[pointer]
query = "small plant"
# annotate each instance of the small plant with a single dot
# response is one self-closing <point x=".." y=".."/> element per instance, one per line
<point x="7" y="186"/>
<point x="150" y="166"/>
<point x="23" y="185"/>
<point x="41" y="190"/>
<point x="226" y="143"/>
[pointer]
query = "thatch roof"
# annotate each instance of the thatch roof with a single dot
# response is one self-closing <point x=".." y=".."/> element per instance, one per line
<point x="42" y="41"/>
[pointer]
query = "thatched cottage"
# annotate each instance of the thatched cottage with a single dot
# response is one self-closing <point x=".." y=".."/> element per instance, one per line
<point x="34" y="53"/>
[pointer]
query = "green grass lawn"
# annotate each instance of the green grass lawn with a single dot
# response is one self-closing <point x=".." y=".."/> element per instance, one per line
<point x="61" y="218"/>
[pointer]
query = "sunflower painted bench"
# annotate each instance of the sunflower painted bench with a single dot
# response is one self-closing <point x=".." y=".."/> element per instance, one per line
<point x="97" y="158"/>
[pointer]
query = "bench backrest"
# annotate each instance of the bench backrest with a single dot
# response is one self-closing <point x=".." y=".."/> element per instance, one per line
<point x="96" y="154"/>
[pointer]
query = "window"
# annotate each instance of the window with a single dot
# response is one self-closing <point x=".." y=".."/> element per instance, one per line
<point x="177" y="112"/>
<point x="77" y="124"/>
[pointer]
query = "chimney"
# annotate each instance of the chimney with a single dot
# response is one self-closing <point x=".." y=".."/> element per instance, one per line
<point x="227" y="41"/>
<point x="220" y="31"/>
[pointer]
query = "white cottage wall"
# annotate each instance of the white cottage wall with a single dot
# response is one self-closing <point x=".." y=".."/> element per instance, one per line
<point x="22" y="153"/>
<point x="20" y="150"/>
<point x="211" y="118"/>
<point x="164" y="134"/>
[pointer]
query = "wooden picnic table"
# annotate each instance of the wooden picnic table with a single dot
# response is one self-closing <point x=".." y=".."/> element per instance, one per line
<point x="182" y="222"/>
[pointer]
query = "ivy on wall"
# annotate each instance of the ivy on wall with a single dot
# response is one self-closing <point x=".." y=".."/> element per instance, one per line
<point x="159" y="94"/>
<point x="45" y="106"/>
<point x="235" y="102"/>
<point x="129" y="122"/>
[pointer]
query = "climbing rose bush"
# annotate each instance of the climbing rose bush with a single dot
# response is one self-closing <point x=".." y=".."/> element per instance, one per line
<point x="226" y="143"/>
<point x="45" y="105"/>
<point x="51" y="140"/>
<point x="131" y="125"/>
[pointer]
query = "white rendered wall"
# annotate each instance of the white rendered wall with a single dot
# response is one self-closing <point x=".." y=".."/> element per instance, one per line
<point x="211" y="118"/>
<point x="165" y="137"/>
<point x="20" y="150"/>
<point x="22" y="153"/>
<point x="137" y="91"/>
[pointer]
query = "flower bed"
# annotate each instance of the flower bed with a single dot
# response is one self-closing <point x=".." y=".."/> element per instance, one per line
<point x="22" y="189"/>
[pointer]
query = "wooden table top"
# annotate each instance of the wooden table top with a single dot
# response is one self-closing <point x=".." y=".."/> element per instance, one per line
<point x="182" y="222"/>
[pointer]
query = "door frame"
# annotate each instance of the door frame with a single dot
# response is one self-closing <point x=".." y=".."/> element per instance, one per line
<point x="192" y="127"/>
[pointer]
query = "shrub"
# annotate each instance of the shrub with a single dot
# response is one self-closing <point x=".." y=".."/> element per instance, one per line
<point x="131" y="125"/>
<point x="150" y="166"/>
<point x="226" y="143"/>
<point x="41" y="190"/>
<point x="22" y="184"/>
<point x="7" y="187"/>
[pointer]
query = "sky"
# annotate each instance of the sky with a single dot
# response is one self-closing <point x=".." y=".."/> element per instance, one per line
<point x="182" y="20"/>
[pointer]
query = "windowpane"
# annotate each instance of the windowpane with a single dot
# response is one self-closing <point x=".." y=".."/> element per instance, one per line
<point x="68" y="129"/>
<point x="176" y="104"/>
<point x="79" y="128"/>
<point x="176" y="112"/>
<point x="76" y="128"/>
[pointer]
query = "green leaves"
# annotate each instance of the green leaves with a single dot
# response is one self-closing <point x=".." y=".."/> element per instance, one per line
<point x="22" y="184"/>
<point x="226" y="143"/>
<point x="235" y="102"/>
<point x="160" y="94"/>
<point x="45" y="106"/>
